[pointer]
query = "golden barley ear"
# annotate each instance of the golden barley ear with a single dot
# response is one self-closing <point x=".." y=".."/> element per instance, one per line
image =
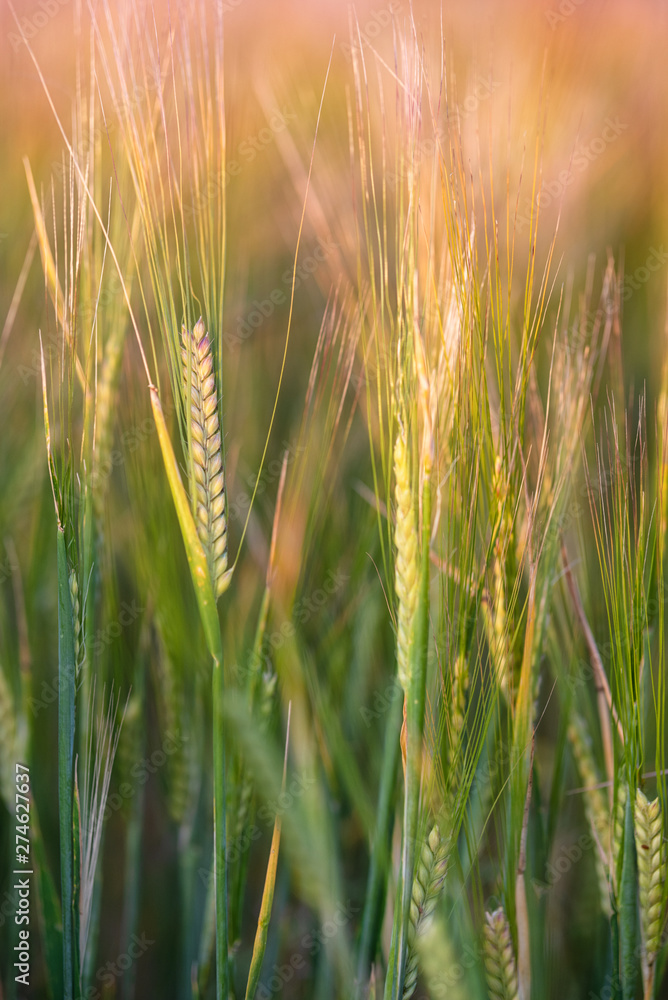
<point x="500" y="965"/>
<point x="207" y="469"/>
<point x="406" y="564"/>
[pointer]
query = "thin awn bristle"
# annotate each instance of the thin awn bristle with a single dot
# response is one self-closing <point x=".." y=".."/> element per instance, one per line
<point x="97" y="765"/>
<point x="406" y="565"/>
<point x="207" y="453"/>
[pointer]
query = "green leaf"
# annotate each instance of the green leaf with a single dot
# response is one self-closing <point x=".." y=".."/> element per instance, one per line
<point x="76" y="888"/>
<point x="48" y="910"/>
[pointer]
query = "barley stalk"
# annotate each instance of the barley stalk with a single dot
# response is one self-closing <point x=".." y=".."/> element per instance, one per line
<point x="500" y="957"/>
<point x="428" y="881"/>
<point x="651" y="873"/>
<point x="208" y="476"/>
<point x="618" y="828"/>
<point x="406" y="565"/>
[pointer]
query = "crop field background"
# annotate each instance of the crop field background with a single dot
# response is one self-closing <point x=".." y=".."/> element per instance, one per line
<point x="333" y="499"/>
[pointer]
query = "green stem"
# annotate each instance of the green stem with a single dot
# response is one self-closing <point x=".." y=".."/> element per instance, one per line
<point x="220" y="867"/>
<point x="628" y="906"/>
<point x="376" y="882"/>
<point x="66" y="705"/>
<point x="238" y="878"/>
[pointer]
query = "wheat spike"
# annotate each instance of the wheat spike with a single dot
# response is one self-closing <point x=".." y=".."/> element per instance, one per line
<point x="406" y="565"/>
<point x="427" y="883"/>
<point x="651" y="871"/>
<point x="499" y="957"/>
<point x="208" y="487"/>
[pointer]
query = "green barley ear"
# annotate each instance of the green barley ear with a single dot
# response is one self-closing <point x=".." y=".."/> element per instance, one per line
<point x="651" y="872"/>
<point x="76" y="616"/>
<point x="499" y="957"/>
<point x="427" y="884"/>
<point x="207" y="471"/>
<point x="406" y="565"/>
<point x="460" y="686"/>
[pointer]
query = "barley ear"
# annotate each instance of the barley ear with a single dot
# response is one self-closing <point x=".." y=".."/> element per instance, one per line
<point x="76" y="619"/>
<point x="457" y="716"/>
<point x="406" y="564"/>
<point x="427" y="884"/>
<point x="651" y="871"/>
<point x="208" y="476"/>
<point x="499" y="957"/>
